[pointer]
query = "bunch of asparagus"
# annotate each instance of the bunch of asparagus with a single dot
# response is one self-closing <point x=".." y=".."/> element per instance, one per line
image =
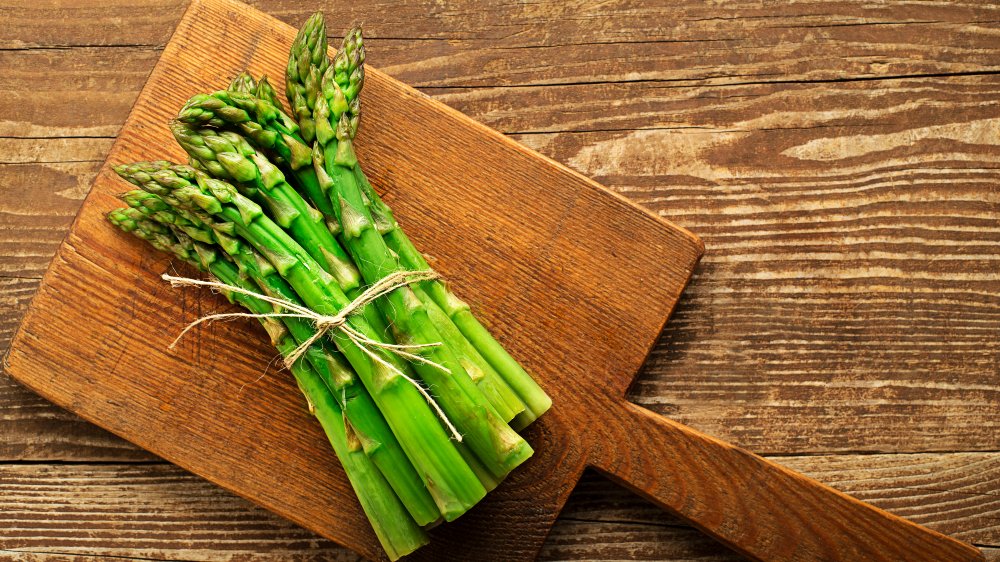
<point x="278" y="207"/>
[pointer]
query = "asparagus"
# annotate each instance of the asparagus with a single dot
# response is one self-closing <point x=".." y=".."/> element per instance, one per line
<point x="490" y="357"/>
<point x="534" y="398"/>
<point x="306" y="64"/>
<point x="369" y="425"/>
<point x="452" y="484"/>
<point x="394" y="447"/>
<point x="243" y="83"/>
<point x="398" y="533"/>
<point x="348" y="71"/>
<point x="264" y="125"/>
<point x="258" y="119"/>
<point x="261" y="89"/>
<point x="220" y="108"/>
<point x="231" y="157"/>
<point x="267" y="92"/>
<point x="498" y="446"/>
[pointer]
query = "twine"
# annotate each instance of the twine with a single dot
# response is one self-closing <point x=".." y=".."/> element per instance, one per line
<point x="324" y="323"/>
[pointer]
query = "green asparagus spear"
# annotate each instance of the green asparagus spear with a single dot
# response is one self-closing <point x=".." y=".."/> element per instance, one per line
<point x="306" y="65"/>
<point x="184" y="220"/>
<point x="261" y="89"/>
<point x="266" y="92"/>
<point x="225" y="109"/>
<point x="226" y="155"/>
<point x="498" y="446"/>
<point x="532" y="395"/>
<point x="244" y="84"/>
<point x="351" y="81"/>
<point x="267" y="127"/>
<point x="489" y="356"/>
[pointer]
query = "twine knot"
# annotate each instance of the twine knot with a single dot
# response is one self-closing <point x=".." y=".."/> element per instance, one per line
<point x="324" y="323"/>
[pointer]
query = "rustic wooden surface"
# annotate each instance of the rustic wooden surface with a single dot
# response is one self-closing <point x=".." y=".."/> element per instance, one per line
<point x="839" y="160"/>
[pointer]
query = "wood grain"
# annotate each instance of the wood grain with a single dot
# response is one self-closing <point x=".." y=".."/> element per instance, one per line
<point x="725" y="332"/>
<point x="115" y="510"/>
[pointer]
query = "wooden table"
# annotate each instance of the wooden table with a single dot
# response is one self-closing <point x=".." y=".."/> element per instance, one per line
<point x="839" y="159"/>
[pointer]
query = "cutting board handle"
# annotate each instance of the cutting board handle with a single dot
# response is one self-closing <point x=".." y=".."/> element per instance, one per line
<point x="755" y="506"/>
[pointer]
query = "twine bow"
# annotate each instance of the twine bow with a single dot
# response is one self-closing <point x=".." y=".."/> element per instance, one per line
<point x="324" y="323"/>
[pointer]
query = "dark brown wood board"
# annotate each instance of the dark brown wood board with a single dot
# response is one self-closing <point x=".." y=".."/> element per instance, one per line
<point x="577" y="282"/>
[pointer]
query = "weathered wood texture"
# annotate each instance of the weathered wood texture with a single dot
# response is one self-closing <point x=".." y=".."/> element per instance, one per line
<point x="129" y="510"/>
<point x="888" y="344"/>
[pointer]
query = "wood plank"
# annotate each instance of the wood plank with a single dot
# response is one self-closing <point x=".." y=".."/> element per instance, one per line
<point x="15" y="294"/>
<point x="851" y="526"/>
<point x="151" y="511"/>
<point x="39" y="202"/>
<point x="72" y="92"/>
<point x="463" y="48"/>
<point x="549" y="22"/>
<point x="88" y="91"/>
<point x="857" y="106"/>
<point x="877" y="294"/>
<point x="33" y="429"/>
<point x="109" y="510"/>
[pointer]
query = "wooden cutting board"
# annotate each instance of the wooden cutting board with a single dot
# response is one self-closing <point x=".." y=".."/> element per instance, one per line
<point x="576" y="281"/>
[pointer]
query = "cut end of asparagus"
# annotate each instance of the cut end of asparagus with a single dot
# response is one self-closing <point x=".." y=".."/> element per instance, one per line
<point x="539" y="406"/>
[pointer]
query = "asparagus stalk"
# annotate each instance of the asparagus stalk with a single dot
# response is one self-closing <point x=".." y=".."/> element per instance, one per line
<point x="534" y="398"/>
<point x="227" y="155"/>
<point x="452" y="484"/>
<point x="306" y="64"/>
<point x="489" y="356"/>
<point x="498" y="446"/>
<point x="262" y="89"/>
<point x="537" y="402"/>
<point x="267" y="127"/>
<point x="243" y="83"/>
<point x="398" y="533"/>
<point x="532" y="395"/>
<point x="267" y="93"/>
<point x="369" y="425"/>
<point x="257" y="118"/>
<point x="262" y="122"/>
